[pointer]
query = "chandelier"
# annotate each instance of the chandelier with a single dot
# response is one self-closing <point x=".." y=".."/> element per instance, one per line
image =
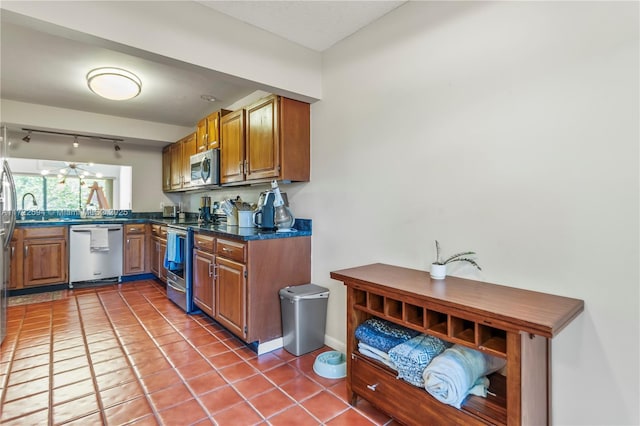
<point x="77" y="170"/>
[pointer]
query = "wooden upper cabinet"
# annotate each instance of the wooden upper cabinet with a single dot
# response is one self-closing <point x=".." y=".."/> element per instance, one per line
<point x="188" y="149"/>
<point x="263" y="142"/>
<point x="166" y="168"/>
<point x="176" y="166"/>
<point x="232" y="149"/>
<point x="276" y="142"/>
<point x="208" y="131"/>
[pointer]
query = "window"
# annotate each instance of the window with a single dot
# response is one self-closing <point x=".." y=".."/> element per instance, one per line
<point x="51" y="194"/>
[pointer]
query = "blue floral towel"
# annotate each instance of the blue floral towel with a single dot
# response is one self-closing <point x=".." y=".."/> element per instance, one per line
<point x="413" y="356"/>
<point x="383" y="334"/>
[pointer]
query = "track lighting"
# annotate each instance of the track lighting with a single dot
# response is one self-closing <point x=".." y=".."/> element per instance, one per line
<point x="76" y="144"/>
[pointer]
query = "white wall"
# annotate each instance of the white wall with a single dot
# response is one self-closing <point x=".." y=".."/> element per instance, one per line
<point x="146" y="162"/>
<point x="509" y="128"/>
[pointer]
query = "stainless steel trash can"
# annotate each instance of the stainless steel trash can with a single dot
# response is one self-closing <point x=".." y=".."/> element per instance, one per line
<point x="304" y="312"/>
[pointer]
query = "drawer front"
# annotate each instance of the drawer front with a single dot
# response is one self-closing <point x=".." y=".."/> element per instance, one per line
<point x="417" y="407"/>
<point x="204" y="242"/>
<point x="134" y="228"/>
<point x="231" y="250"/>
<point x="46" y="232"/>
<point x="159" y="231"/>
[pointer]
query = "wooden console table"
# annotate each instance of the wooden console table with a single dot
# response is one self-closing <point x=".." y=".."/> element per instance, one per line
<point x="506" y="322"/>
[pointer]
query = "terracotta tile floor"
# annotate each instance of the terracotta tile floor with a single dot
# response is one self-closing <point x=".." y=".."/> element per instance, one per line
<point x="124" y="354"/>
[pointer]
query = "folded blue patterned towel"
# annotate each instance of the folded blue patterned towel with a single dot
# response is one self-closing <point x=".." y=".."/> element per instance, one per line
<point x="383" y="334"/>
<point x="413" y="356"/>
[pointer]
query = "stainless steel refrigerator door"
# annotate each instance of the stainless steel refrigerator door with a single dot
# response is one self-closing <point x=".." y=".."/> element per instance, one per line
<point x="4" y="284"/>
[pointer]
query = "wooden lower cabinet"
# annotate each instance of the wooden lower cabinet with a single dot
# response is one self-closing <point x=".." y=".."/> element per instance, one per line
<point x="157" y="249"/>
<point x="504" y="322"/>
<point x="45" y="256"/>
<point x="16" y="261"/>
<point x="135" y="249"/>
<point x="203" y="281"/>
<point x="231" y="296"/>
<point x="237" y="282"/>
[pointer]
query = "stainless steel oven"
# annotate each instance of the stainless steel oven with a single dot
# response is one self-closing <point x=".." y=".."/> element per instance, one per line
<point x="178" y="264"/>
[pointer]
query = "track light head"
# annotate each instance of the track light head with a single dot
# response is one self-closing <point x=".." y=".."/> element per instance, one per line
<point x="27" y="138"/>
<point x="116" y="147"/>
<point x="75" y="142"/>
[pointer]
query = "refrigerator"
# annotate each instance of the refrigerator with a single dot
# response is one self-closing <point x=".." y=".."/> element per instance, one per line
<point x="7" y="225"/>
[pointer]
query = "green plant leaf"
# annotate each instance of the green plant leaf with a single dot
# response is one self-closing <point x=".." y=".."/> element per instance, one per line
<point x="466" y="259"/>
<point x="457" y="255"/>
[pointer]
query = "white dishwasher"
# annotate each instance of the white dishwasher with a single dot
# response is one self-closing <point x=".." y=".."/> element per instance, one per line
<point x="95" y="252"/>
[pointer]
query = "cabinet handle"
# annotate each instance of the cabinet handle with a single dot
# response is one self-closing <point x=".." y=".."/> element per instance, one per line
<point x="226" y="250"/>
<point x="26" y="251"/>
<point x="372" y="387"/>
<point x="211" y="269"/>
<point x="240" y="166"/>
<point x="128" y="242"/>
<point x="246" y="166"/>
<point x="13" y="250"/>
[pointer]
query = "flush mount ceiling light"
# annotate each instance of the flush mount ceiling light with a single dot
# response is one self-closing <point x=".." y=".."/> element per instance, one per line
<point x="208" y="98"/>
<point x="114" y="83"/>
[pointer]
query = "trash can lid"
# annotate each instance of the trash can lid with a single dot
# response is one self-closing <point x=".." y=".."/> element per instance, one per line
<point x="304" y="291"/>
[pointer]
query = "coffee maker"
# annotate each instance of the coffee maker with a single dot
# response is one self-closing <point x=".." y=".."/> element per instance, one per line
<point x="264" y="213"/>
<point x="205" y="210"/>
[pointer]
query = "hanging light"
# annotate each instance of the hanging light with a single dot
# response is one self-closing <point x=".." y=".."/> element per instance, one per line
<point x="114" y="83"/>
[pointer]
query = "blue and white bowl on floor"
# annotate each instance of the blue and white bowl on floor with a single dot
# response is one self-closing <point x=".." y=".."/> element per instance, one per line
<point x="331" y="365"/>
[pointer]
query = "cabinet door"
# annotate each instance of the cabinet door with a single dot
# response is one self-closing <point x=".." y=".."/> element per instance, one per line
<point x="213" y="131"/>
<point x="134" y="254"/>
<point x="166" y="169"/>
<point x="263" y="156"/>
<point x="176" y="166"/>
<point x="15" y="261"/>
<point x="161" y="269"/>
<point x="203" y="281"/>
<point x="188" y="149"/>
<point x="201" y="135"/>
<point x="155" y="257"/>
<point x="232" y="147"/>
<point x="231" y="296"/>
<point x="45" y="262"/>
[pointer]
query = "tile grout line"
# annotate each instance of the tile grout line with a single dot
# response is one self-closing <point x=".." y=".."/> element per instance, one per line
<point x="89" y="361"/>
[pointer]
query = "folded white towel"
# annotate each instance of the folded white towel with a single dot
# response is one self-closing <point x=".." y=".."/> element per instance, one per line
<point x="99" y="239"/>
<point x="458" y="371"/>
<point x="378" y="355"/>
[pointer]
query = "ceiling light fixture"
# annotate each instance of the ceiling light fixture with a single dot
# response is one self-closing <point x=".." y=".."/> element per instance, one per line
<point x="208" y="98"/>
<point x="27" y="138"/>
<point x="116" y="147"/>
<point x="75" y="142"/>
<point x="114" y="83"/>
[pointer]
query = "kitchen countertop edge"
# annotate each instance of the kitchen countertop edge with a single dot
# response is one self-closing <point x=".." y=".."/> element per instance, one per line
<point x="303" y="227"/>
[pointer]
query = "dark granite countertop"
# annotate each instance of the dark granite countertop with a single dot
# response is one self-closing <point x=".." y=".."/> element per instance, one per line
<point x="302" y="227"/>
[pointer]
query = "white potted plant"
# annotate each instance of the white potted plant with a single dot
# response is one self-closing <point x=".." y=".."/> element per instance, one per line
<point x="439" y="267"/>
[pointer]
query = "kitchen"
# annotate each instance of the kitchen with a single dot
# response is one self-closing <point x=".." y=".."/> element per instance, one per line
<point x="454" y="119"/>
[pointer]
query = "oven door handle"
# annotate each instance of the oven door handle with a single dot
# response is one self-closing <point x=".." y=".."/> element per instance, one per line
<point x="178" y="289"/>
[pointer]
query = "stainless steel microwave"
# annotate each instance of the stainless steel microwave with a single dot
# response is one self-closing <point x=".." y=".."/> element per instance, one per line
<point x="205" y="168"/>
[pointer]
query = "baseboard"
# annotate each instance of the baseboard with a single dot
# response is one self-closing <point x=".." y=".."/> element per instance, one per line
<point x="335" y="344"/>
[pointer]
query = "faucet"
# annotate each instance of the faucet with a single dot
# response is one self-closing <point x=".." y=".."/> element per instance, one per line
<point x="34" y="203"/>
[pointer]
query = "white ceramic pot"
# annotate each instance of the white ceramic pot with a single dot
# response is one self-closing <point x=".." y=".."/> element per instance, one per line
<point x="438" y="272"/>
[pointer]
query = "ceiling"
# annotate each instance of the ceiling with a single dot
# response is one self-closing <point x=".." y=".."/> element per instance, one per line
<point x="48" y="68"/>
